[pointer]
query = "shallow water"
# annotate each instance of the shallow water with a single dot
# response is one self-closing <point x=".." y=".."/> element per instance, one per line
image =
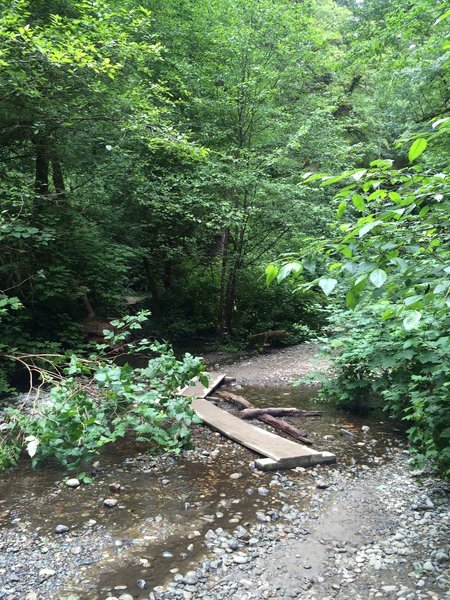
<point x="164" y="501"/>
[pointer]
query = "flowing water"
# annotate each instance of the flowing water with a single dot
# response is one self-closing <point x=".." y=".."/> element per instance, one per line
<point x="167" y="505"/>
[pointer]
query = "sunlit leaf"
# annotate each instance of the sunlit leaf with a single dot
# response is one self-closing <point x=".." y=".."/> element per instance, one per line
<point x="416" y="148"/>
<point x="327" y="285"/>
<point x="378" y="277"/>
<point x="412" y="319"/>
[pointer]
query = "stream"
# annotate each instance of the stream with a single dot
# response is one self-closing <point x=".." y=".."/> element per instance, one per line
<point x="166" y="506"/>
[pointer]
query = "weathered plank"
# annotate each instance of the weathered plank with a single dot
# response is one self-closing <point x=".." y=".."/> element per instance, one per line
<point x="281" y="452"/>
<point x="198" y="390"/>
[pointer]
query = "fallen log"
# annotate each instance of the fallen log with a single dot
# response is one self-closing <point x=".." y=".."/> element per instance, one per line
<point x="238" y="401"/>
<point x="255" y="413"/>
<point x="247" y="407"/>
<point x="280" y="425"/>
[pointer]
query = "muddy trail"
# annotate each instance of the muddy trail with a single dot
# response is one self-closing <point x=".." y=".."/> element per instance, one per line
<point x="209" y="525"/>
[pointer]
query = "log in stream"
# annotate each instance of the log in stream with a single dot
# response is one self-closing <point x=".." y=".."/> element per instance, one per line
<point x="269" y="415"/>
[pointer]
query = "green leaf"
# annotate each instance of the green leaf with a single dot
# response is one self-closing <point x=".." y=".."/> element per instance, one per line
<point x="367" y="227"/>
<point x="327" y="285"/>
<point x="341" y="209"/>
<point x="286" y="270"/>
<point x="412" y="320"/>
<point x="358" y="202"/>
<point x="378" y="277"/>
<point x="351" y="299"/>
<point x="271" y="273"/>
<point x="416" y="149"/>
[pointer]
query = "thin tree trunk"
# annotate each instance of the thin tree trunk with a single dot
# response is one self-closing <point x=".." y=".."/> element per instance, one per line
<point x="58" y="179"/>
<point x="41" y="169"/>
<point x="153" y="288"/>
<point x="222" y="303"/>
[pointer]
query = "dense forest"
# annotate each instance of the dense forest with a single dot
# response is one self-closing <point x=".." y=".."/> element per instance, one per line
<point x="203" y="171"/>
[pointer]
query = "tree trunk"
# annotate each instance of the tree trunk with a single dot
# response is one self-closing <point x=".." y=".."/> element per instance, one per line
<point x="58" y="179"/>
<point x="221" y="308"/>
<point x="153" y="288"/>
<point x="41" y="168"/>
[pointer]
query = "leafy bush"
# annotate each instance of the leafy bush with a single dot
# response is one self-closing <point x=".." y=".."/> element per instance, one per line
<point x="391" y="260"/>
<point x="93" y="402"/>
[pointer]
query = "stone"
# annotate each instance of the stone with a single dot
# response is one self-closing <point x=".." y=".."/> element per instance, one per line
<point x="141" y="583"/>
<point x="126" y="597"/>
<point x="46" y="573"/>
<point x="115" y="487"/>
<point x="191" y="578"/>
<point x="61" y="529"/>
<point x="110" y="502"/>
<point x="345" y="433"/>
<point x="73" y="483"/>
<point x="235" y="475"/>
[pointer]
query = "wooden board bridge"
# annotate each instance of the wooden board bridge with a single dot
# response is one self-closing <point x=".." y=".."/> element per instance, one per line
<point x="278" y="452"/>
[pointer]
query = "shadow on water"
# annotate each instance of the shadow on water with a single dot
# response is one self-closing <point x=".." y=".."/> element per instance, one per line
<point x="167" y="505"/>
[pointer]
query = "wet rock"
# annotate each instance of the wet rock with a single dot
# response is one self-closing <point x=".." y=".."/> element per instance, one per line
<point x="115" y="487"/>
<point x="346" y="434"/>
<point x="73" y="483"/>
<point x="141" y="583"/>
<point x="263" y="491"/>
<point x="61" y="529"/>
<point x="110" y="502"/>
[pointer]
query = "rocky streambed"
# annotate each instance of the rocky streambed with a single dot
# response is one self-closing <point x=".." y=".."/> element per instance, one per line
<point x="209" y="525"/>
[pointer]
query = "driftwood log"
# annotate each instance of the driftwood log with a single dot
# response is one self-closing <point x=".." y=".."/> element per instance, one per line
<point x="264" y="415"/>
<point x="255" y="413"/>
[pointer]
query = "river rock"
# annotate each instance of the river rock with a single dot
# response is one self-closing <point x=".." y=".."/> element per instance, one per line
<point x="73" y="483"/>
<point x="46" y="573"/>
<point x="61" y="529"/>
<point x="110" y="502"/>
<point x="191" y="578"/>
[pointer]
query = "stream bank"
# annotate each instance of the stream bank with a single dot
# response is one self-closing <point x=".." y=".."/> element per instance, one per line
<point x="208" y="525"/>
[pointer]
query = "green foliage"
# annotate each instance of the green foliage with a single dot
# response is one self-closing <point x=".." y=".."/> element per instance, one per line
<point x="94" y="402"/>
<point x="393" y="266"/>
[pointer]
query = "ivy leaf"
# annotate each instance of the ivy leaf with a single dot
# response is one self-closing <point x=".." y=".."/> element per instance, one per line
<point x="327" y="285"/>
<point x="412" y="320"/>
<point x="378" y="277"/>
<point x="416" y="149"/>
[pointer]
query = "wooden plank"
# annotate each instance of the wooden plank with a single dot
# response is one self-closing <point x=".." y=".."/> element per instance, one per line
<point x="284" y="453"/>
<point x="198" y="390"/>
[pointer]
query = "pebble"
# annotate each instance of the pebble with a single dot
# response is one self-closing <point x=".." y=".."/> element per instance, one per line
<point x="110" y="502"/>
<point x="73" y="483"/>
<point x="61" y="529"/>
